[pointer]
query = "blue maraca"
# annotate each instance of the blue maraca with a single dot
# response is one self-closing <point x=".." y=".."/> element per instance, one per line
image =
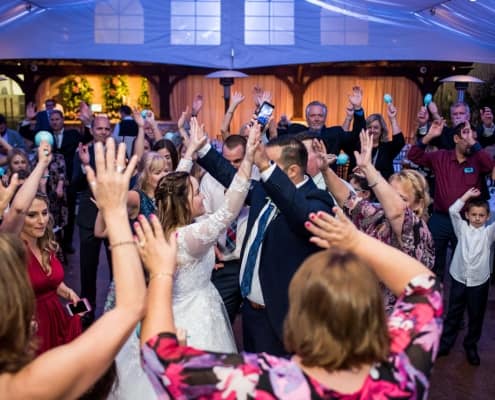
<point x="144" y="113"/>
<point x="43" y="136"/>
<point x="2" y="171"/>
<point x="342" y="159"/>
<point x="387" y="98"/>
<point x="428" y="99"/>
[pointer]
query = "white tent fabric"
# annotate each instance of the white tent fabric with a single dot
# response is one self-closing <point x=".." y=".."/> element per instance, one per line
<point x="248" y="33"/>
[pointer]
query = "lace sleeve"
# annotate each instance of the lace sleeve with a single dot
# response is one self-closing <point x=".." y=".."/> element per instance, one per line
<point x="185" y="165"/>
<point x="200" y="236"/>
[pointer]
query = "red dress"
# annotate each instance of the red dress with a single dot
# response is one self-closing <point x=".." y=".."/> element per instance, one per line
<point x="55" y="325"/>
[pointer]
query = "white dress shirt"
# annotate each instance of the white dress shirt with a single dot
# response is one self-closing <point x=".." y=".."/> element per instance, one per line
<point x="471" y="261"/>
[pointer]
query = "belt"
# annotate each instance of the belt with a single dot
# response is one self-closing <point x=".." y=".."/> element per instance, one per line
<point x="256" y="306"/>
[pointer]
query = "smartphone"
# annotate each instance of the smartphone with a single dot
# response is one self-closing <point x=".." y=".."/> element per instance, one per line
<point x="81" y="307"/>
<point x="264" y="113"/>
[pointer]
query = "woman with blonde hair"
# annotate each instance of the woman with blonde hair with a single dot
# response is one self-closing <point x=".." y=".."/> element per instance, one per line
<point x="69" y="371"/>
<point x="336" y="326"/>
<point x="400" y="217"/>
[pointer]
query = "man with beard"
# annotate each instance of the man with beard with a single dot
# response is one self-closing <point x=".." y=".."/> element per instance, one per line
<point x="456" y="171"/>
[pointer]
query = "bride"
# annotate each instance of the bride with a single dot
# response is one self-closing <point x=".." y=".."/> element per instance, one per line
<point x="197" y="305"/>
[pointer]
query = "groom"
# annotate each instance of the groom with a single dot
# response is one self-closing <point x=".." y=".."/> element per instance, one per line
<point x="276" y="242"/>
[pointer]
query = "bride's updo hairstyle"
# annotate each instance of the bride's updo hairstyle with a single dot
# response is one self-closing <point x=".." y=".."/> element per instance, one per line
<point x="172" y="201"/>
<point x="17" y="306"/>
<point x="336" y="318"/>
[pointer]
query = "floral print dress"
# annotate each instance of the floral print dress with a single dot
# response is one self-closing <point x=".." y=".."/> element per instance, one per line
<point x="416" y="240"/>
<point x="415" y="326"/>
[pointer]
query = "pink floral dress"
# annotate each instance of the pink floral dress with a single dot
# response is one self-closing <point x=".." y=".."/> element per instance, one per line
<point x="415" y="326"/>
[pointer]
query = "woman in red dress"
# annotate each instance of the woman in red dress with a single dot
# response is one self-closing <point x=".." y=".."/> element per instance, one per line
<point x="54" y="325"/>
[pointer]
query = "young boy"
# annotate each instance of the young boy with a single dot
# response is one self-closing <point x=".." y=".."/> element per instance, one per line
<point x="470" y="272"/>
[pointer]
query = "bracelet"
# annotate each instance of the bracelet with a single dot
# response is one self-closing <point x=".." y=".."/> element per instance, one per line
<point x="124" y="243"/>
<point x="161" y="274"/>
<point x="374" y="183"/>
<point x="45" y="176"/>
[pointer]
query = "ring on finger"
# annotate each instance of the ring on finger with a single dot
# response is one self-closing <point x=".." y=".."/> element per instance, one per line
<point x="141" y="243"/>
<point x="120" y="169"/>
<point x="92" y="183"/>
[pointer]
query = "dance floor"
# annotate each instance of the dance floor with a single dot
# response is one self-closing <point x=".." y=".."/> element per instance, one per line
<point x="452" y="379"/>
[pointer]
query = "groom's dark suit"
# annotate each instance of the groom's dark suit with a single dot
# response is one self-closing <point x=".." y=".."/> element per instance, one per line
<point x="285" y="246"/>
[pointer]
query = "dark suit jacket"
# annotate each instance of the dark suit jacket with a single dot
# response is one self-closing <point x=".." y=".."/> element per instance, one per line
<point x="286" y="242"/>
<point x="86" y="216"/>
<point x="42" y="121"/>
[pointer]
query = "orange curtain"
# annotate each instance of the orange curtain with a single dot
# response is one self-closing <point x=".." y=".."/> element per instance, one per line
<point x="331" y="90"/>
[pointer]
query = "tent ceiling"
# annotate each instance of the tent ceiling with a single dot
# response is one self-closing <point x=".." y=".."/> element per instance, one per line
<point x="285" y="32"/>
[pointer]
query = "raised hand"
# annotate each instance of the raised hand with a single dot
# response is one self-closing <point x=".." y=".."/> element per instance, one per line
<point x="363" y="158"/>
<point x="236" y="99"/>
<point x="470" y="193"/>
<point x="30" y="110"/>
<point x="349" y="111"/>
<point x="85" y="113"/>
<point x="486" y="116"/>
<point x="436" y="128"/>
<point x="253" y="140"/>
<point x="257" y="93"/>
<point x="391" y="111"/>
<point x="468" y="134"/>
<point x="182" y="120"/>
<point x="83" y="153"/>
<point x="356" y="98"/>
<point x="265" y="96"/>
<point x="197" y="138"/>
<point x="110" y="184"/>
<point x="44" y="153"/>
<point x="159" y="256"/>
<point x="330" y="231"/>
<point x="197" y="104"/>
<point x="323" y="159"/>
<point x="138" y="118"/>
<point x="433" y="108"/>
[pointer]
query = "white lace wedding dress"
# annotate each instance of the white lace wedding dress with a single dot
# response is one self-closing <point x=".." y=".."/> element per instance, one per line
<point x="197" y="305"/>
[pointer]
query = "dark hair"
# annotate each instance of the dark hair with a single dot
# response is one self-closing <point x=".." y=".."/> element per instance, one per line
<point x="477" y="202"/>
<point x="125" y="110"/>
<point x="233" y="141"/>
<point x="172" y="201"/>
<point x="3" y="120"/>
<point x="57" y="111"/>
<point x="167" y="144"/>
<point x="146" y="138"/>
<point x="458" y="128"/>
<point x="306" y="135"/>
<point x="293" y="151"/>
<point x="101" y="389"/>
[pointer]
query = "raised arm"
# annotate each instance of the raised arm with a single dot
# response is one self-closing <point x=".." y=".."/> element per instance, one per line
<point x="393" y="206"/>
<point x="6" y="193"/>
<point x="236" y="99"/>
<point x="393" y="267"/>
<point x="80" y="363"/>
<point x="14" y="219"/>
<point x="200" y="236"/>
<point x="139" y="143"/>
<point x="334" y="184"/>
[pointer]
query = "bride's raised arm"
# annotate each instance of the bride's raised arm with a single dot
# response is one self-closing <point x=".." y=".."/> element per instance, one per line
<point x="200" y="236"/>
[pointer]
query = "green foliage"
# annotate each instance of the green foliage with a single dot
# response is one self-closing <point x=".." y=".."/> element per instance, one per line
<point x="72" y="91"/>
<point x="144" y="100"/>
<point x="115" y="88"/>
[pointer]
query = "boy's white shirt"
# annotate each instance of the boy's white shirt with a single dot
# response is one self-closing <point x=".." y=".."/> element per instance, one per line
<point x="471" y="261"/>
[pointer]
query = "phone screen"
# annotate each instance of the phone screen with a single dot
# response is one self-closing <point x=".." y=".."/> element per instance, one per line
<point x="80" y="307"/>
<point x="265" y="112"/>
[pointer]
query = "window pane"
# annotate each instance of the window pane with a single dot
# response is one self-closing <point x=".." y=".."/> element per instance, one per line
<point x="256" y="37"/>
<point x="131" y="23"/>
<point x="208" y="8"/>
<point x="251" y="8"/>
<point x="132" y="37"/>
<point x="106" y="22"/>
<point x="181" y="37"/>
<point x="332" y="38"/>
<point x="182" y="8"/>
<point x="182" y="23"/>
<point x="282" y="24"/>
<point x="106" y="36"/>
<point x="356" y="38"/>
<point x="208" y="23"/>
<point x="282" y="9"/>
<point x="282" y="38"/>
<point x="207" y="38"/>
<point x="256" y="23"/>
<point x="332" y="24"/>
